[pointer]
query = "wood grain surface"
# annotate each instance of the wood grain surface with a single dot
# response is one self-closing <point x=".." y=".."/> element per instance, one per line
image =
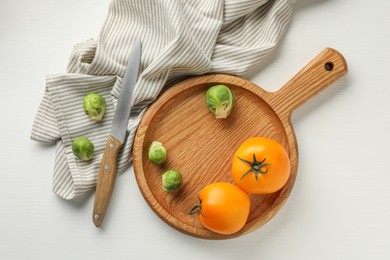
<point x="106" y="180"/>
<point x="201" y="147"/>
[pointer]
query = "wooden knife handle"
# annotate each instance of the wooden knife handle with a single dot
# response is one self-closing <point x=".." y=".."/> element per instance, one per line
<point x="106" y="180"/>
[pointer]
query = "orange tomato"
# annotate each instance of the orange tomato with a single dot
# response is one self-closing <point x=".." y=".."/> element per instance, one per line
<point x="261" y="166"/>
<point x="223" y="207"/>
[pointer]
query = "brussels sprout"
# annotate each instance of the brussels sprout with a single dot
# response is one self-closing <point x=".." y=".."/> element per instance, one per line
<point x="220" y="100"/>
<point x="82" y="148"/>
<point x="94" y="106"/>
<point x="171" y="180"/>
<point x="157" y="153"/>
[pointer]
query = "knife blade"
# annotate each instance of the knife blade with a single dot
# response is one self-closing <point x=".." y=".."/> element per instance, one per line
<point x="108" y="165"/>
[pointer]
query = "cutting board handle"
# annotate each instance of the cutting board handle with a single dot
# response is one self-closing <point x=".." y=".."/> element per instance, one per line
<point x="324" y="69"/>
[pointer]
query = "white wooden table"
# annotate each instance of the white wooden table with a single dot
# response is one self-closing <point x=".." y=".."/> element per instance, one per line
<point x="339" y="207"/>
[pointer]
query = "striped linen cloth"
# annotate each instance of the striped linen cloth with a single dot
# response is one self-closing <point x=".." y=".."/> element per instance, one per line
<point x="179" y="39"/>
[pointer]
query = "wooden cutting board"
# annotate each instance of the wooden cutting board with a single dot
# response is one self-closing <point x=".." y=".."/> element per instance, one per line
<point x="201" y="147"/>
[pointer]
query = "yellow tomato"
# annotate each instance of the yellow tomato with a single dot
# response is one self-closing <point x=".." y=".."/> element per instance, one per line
<point x="261" y="166"/>
<point x="223" y="207"/>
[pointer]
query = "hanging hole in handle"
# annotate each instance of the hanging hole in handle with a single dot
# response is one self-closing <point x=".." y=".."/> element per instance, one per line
<point x="329" y="66"/>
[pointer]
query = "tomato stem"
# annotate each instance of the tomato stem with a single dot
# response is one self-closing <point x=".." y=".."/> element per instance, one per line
<point x="255" y="167"/>
<point x="197" y="209"/>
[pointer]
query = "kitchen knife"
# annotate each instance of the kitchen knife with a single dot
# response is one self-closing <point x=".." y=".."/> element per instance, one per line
<point x="108" y="165"/>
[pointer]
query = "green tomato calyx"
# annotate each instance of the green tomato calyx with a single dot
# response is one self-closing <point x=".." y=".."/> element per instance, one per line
<point x="220" y="100"/>
<point x="255" y="167"/>
<point x="197" y="209"/>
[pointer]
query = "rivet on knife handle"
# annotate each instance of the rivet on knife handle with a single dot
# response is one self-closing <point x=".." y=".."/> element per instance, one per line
<point x="106" y="179"/>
